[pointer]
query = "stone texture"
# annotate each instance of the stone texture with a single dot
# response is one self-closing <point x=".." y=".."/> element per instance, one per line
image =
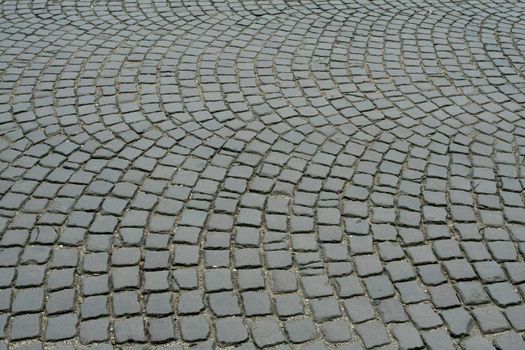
<point x="258" y="174"/>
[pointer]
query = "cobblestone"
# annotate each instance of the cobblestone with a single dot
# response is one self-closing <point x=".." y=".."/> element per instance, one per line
<point x="262" y="174"/>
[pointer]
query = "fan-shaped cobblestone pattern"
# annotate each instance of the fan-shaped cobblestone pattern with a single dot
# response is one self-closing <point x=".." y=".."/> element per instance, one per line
<point x="259" y="174"/>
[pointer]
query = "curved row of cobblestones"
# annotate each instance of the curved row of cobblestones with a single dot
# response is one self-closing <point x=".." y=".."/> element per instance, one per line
<point x="256" y="174"/>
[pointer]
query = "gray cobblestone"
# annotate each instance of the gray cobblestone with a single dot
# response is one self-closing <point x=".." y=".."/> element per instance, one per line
<point x="231" y="331"/>
<point x="262" y="175"/>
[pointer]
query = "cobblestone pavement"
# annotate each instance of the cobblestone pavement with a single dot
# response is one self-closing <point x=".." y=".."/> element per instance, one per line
<point x="257" y="174"/>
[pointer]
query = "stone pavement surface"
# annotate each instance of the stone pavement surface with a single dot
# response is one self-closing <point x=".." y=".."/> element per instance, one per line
<point x="262" y="174"/>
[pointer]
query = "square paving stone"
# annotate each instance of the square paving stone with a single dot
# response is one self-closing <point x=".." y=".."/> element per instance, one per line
<point x="407" y="336"/>
<point x="186" y="255"/>
<point x="230" y="330"/>
<point x="373" y="334"/>
<point x="96" y="330"/>
<point x="218" y="280"/>
<point x="444" y="296"/>
<point x="400" y="271"/>
<point x="325" y="309"/>
<point x="359" y="309"/>
<point x="256" y="303"/>
<point x="458" y="321"/>
<point x="379" y="287"/>
<point x="516" y="271"/>
<point x="459" y="269"/>
<point x="289" y="305"/>
<point x="337" y="269"/>
<point x="490" y="319"/>
<point x="156" y="281"/>
<point x="509" y="340"/>
<point x="503" y="251"/>
<point x="336" y="331"/>
<point x="267" y="332"/>
<point x="367" y="265"/>
<point x="129" y="330"/>
<point x="224" y="304"/>
<point x="516" y="317"/>
<point x="190" y="302"/>
<point x="316" y="286"/>
<point x="125" y="277"/>
<point x="125" y="303"/>
<point x="30" y="275"/>
<point x="477" y="343"/>
<point x="392" y="310"/>
<point x="216" y="258"/>
<point x="28" y="300"/>
<point x="300" y="330"/>
<point x="476" y="251"/>
<point x="348" y="286"/>
<point x="503" y="294"/>
<point x="421" y="255"/>
<point x="161" y="330"/>
<point x="95" y="306"/>
<point x="61" y="301"/>
<point x="278" y="259"/>
<point x="194" y="328"/>
<point x="186" y="278"/>
<point x="438" y="339"/>
<point x="490" y="271"/>
<point x="472" y="293"/>
<point x="424" y="316"/>
<point x="282" y="281"/>
<point x="250" y="279"/>
<point x="61" y="327"/>
<point x="25" y="326"/>
<point x="159" y="304"/>
<point x="411" y="292"/>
